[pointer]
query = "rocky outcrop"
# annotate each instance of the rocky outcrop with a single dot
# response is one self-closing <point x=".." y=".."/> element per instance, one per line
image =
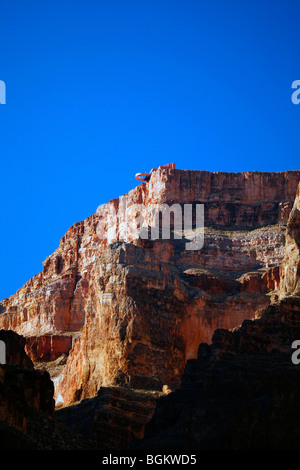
<point x="27" y="405"/>
<point x="48" y="347"/>
<point x="112" y="419"/>
<point x="15" y="349"/>
<point x="290" y="269"/>
<point x="111" y="308"/>
<point x="21" y="387"/>
<point x="154" y="315"/>
<point x="242" y="392"/>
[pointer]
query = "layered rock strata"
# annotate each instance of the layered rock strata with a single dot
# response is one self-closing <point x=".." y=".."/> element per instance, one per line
<point x="290" y="268"/>
<point x="27" y="405"/>
<point x="112" y="419"/>
<point x="112" y="308"/>
<point x="21" y="387"/>
<point x="243" y="390"/>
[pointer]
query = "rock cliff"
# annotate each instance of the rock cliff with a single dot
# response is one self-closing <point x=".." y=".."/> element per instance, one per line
<point x="290" y="268"/>
<point x="112" y="308"/>
<point x="242" y="392"/>
<point x="21" y="387"/>
<point x="27" y="405"/>
<point x="112" y="419"/>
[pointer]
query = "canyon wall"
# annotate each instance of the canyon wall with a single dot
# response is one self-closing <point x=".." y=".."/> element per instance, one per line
<point x="112" y="308"/>
<point x="112" y="419"/>
<point x="22" y="389"/>
<point x="242" y="391"/>
<point x="27" y="405"/>
<point x="290" y="268"/>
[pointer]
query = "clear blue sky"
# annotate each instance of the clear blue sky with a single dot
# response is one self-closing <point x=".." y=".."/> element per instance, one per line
<point x="99" y="90"/>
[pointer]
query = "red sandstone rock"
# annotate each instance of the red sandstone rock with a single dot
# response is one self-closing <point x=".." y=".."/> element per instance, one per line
<point x="271" y="278"/>
<point x="144" y="306"/>
<point x="242" y="392"/>
<point x="290" y="269"/>
<point x="48" y="347"/>
<point x="22" y="388"/>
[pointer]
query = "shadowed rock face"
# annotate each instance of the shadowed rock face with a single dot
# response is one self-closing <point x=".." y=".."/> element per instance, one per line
<point x="22" y="389"/>
<point x="27" y="405"/>
<point x="112" y="419"/>
<point x="243" y="390"/>
<point x="241" y="393"/>
<point x="126" y="311"/>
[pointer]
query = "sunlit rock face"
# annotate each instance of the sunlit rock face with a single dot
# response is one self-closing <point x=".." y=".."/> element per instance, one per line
<point x="290" y="269"/>
<point x="242" y="391"/>
<point x="110" y="307"/>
